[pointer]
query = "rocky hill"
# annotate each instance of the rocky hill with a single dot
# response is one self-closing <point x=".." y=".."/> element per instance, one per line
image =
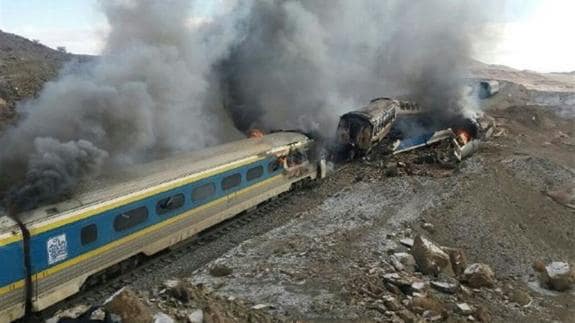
<point x="25" y="66"/>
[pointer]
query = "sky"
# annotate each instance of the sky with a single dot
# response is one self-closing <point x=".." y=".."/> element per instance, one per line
<point x="532" y="34"/>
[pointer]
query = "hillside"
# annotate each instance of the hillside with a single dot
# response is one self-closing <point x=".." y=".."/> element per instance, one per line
<point x="25" y="66"/>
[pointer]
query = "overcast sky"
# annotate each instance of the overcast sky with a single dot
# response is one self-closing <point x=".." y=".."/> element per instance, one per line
<point x="533" y="34"/>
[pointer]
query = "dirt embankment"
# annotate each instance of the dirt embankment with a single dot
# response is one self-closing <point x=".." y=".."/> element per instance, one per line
<point x="25" y="66"/>
<point x="349" y="254"/>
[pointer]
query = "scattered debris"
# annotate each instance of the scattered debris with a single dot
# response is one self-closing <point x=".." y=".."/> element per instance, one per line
<point x="422" y="140"/>
<point x="479" y="275"/>
<point x="488" y="88"/>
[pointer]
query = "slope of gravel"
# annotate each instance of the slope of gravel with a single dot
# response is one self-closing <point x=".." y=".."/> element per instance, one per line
<point x="25" y="66"/>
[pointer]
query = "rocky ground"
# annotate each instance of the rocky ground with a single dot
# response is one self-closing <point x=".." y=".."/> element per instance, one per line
<point x="397" y="239"/>
<point x="392" y="239"/>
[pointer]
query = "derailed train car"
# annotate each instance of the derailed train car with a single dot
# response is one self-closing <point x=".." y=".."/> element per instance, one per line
<point x="359" y="131"/>
<point x="117" y="220"/>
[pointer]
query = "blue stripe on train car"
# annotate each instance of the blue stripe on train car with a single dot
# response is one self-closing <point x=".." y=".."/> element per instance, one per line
<point x="65" y="242"/>
<point x="11" y="263"/>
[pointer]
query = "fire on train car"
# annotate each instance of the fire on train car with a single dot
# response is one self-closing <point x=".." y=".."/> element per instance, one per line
<point x="134" y="213"/>
<point x="359" y="131"/>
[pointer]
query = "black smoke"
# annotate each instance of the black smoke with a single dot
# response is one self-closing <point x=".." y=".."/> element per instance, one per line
<point x="54" y="170"/>
<point x="302" y="63"/>
<point x="167" y="83"/>
<point x="149" y="95"/>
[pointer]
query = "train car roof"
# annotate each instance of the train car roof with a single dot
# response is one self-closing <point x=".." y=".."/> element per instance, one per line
<point x="374" y="109"/>
<point x="136" y="178"/>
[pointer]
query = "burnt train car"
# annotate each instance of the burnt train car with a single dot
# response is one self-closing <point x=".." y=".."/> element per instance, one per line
<point x="116" y="220"/>
<point x="359" y="131"/>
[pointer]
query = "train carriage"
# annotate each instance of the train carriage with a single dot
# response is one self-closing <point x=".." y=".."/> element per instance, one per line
<point x="359" y="131"/>
<point x="142" y="211"/>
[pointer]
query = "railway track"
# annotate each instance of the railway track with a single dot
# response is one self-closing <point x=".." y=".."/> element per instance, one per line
<point x="101" y="286"/>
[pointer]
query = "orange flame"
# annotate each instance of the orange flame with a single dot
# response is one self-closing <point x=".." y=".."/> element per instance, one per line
<point x="463" y="136"/>
<point x="255" y="133"/>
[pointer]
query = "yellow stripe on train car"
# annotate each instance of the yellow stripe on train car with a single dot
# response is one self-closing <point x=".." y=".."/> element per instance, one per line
<point x="135" y="235"/>
<point x="130" y="198"/>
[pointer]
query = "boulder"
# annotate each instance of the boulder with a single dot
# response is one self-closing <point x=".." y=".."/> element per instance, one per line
<point x="177" y="290"/>
<point x="464" y="309"/>
<point x="422" y="304"/>
<point x="564" y="196"/>
<point x="219" y="270"/>
<point x="391" y="303"/>
<point x="163" y="318"/>
<point x="457" y="259"/>
<point x="408" y="242"/>
<point x="479" y="275"/>
<point x="428" y="227"/>
<point x="444" y="287"/>
<point x="403" y="261"/>
<point x="401" y="281"/>
<point x="407" y="316"/>
<point x="126" y="304"/>
<point x="520" y="297"/>
<point x="558" y="276"/>
<point x="429" y="257"/>
<point x="196" y="316"/>
<point x="538" y="266"/>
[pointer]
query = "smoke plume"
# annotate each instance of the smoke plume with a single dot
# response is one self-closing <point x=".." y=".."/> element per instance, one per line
<point x="150" y="94"/>
<point x="166" y="84"/>
<point x="54" y="170"/>
<point x="301" y="63"/>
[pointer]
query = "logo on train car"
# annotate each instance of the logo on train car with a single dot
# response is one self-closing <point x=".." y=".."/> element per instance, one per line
<point x="57" y="249"/>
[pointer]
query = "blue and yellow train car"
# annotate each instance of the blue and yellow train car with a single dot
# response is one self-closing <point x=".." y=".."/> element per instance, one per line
<point x="142" y="210"/>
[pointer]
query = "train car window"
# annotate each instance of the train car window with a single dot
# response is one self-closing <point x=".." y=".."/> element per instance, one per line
<point x="254" y="173"/>
<point x="231" y="181"/>
<point x="130" y="219"/>
<point x="201" y="193"/>
<point x="273" y="166"/>
<point x="89" y="234"/>
<point x="170" y="204"/>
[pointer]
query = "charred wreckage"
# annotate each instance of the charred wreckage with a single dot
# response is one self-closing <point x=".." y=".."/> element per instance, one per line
<point x="401" y="125"/>
<point x="52" y="252"/>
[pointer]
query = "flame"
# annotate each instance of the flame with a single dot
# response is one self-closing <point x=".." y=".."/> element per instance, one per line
<point x="463" y="136"/>
<point x="255" y="133"/>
